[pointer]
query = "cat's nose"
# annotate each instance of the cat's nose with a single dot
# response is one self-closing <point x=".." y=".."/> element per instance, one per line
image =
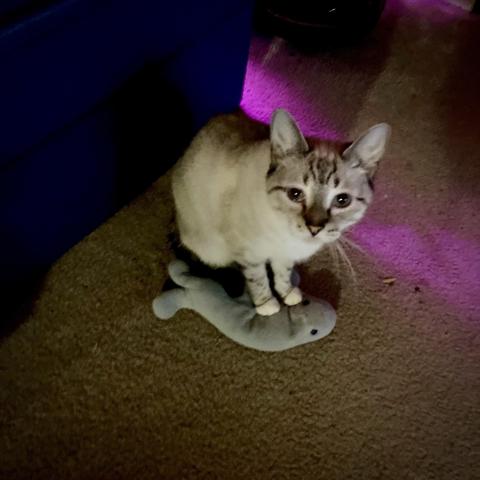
<point x="316" y="218"/>
<point x="314" y="229"/>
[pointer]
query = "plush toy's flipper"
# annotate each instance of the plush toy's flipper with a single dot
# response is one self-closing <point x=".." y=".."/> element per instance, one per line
<point x="180" y="273"/>
<point x="168" y="303"/>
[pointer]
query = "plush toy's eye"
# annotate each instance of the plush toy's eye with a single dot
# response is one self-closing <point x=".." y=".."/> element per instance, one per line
<point x="296" y="195"/>
<point x="305" y="302"/>
<point x="314" y="331"/>
<point x="342" y="200"/>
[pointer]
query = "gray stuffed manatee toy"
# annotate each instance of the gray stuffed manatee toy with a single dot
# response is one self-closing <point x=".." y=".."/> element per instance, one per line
<point x="237" y="319"/>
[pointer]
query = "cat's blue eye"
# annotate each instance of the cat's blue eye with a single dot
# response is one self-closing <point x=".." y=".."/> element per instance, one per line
<point x="342" y="200"/>
<point x="296" y="195"/>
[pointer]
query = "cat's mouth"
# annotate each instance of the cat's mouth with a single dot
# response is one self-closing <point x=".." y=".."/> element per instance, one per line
<point x="315" y="229"/>
<point x="327" y="233"/>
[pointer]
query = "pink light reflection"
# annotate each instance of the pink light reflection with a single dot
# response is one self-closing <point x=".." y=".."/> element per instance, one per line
<point x="259" y="102"/>
<point x="437" y="11"/>
<point x="437" y="258"/>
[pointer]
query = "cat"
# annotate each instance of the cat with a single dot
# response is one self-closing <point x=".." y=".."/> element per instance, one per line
<point x="253" y="196"/>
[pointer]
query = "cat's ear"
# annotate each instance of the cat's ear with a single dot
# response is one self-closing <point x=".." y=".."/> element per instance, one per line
<point x="368" y="149"/>
<point x="285" y="136"/>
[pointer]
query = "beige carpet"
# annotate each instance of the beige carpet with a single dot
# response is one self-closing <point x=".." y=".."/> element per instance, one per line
<point x="92" y="386"/>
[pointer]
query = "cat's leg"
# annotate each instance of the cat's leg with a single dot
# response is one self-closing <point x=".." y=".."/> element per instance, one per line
<point x="282" y="274"/>
<point x="259" y="288"/>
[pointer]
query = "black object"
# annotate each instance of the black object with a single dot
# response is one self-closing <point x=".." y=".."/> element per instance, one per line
<point x="97" y="98"/>
<point x="325" y="21"/>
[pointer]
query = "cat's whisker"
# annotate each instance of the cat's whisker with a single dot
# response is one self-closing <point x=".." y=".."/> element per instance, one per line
<point x="332" y="250"/>
<point x="350" y="243"/>
<point x="346" y="261"/>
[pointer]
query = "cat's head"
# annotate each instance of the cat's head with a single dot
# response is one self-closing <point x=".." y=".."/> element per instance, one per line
<point x="320" y="190"/>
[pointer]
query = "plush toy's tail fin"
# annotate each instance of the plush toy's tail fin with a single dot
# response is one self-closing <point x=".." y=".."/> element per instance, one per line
<point x="168" y="303"/>
<point x="180" y="274"/>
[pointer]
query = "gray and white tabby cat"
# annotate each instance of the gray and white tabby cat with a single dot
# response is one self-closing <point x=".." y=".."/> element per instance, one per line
<point x="247" y="197"/>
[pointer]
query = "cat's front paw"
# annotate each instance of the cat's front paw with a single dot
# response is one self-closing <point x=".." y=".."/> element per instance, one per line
<point x="268" y="308"/>
<point x="294" y="297"/>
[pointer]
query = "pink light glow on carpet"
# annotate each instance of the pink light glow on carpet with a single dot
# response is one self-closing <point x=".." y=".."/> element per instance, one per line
<point x="438" y="259"/>
<point x="266" y="89"/>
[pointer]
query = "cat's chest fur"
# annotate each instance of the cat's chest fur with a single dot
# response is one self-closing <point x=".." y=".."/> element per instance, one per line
<point x="259" y="234"/>
<point x="284" y="246"/>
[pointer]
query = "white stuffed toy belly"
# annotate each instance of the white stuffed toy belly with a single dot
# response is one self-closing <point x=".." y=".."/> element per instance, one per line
<point x="237" y="319"/>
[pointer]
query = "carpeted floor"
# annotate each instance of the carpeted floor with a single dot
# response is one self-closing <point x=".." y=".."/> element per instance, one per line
<point x="93" y="386"/>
